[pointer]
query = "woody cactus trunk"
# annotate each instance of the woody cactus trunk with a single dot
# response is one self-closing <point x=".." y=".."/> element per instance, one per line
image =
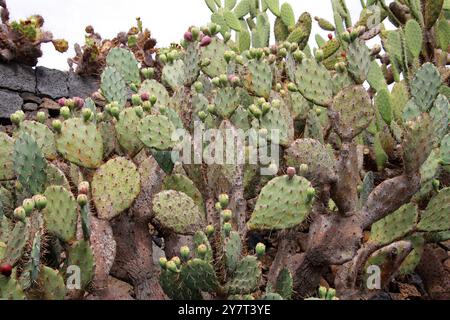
<point x="362" y="178"/>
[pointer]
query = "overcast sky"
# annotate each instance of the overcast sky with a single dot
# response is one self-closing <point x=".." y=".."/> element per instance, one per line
<point x="167" y="19"/>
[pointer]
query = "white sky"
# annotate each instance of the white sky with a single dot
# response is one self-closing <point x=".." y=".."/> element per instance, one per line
<point x="167" y="19"/>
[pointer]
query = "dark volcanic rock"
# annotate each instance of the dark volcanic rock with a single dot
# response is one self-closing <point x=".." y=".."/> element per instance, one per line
<point x="17" y="77"/>
<point x="30" y="106"/>
<point x="52" y="83"/>
<point x="10" y="102"/>
<point x="82" y="86"/>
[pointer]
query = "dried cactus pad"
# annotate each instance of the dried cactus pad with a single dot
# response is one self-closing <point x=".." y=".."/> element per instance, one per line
<point x="156" y="132"/>
<point x="60" y="214"/>
<point x="283" y="203"/>
<point x="6" y="162"/>
<point x="355" y="111"/>
<point x="177" y="212"/>
<point x="115" y="186"/>
<point x="80" y="143"/>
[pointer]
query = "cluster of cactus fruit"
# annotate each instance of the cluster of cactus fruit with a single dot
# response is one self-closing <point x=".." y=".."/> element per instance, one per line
<point x="355" y="161"/>
<point x="20" y="41"/>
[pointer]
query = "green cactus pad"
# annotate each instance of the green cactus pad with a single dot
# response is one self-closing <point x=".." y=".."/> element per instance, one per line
<point x="411" y="262"/>
<point x="6" y="203"/>
<point x="199" y="239"/>
<point x="226" y="101"/>
<point x="80" y="143"/>
<point x="191" y="64"/>
<point x="281" y="31"/>
<point x="272" y="297"/>
<point x="113" y="86"/>
<point x="10" y="289"/>
<point x="430" y="168"/>
<point x="156" y="132"/>
<point x="51" y="284"/>
<point x="384" y="105"/>
<point x="43" y="136"/>
<point x="177" y="212"/>
<point x="198" y="274"/>
<point x="418" y="142"/>
<point x="60" y="215"/>
<point x="440" y="114"/>
<point x="274" y="120"/>
<point x="174" y="74"/>
<point x="276" y="207"/>
<point x="125" y="63"/>
<point x="395" y="225"/>
<point x="425" y="86"/>
<point x="413" y="37"/>
<point x="319" y="159"/>
<point x="80" y="254"/>
<point x="127" y="128"/>
<point x="115" y="186"/>
<point x="176" y="289"/>
<point x="154" y="88"/>
<point x="181" y="183"/>
<point x="314" y="82"/>
<point x="287" y="15"/>
<point x="55" y="177"/>
<point x="285" y="284"/>
<point x="375" y="76"/>
<point x="233" y="251"/>
<point x="17" y="242"/>
<point x="445" y="150"/>
<point x="29" y="164"/>
<point x="358" y="57"/>
<point x="436" y="217"/>
<point x="6" y="159"/>
<point x="259" y="79"/>
<point x="431" y="11"/>
<point x="355" y="111"/>
<point x="246" y="277"/>
<point x="399" y="98"/>
<point x="214" y="53"/>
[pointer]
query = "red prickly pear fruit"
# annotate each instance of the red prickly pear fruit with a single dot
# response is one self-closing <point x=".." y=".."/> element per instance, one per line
<point x="79" y="102"/>
<point x="330" y="36"/>
<point x="62" y="102"/>
<point x="6" y="269"/>
<point x="291" y="172"/>
<point x="344" y="55"/>
<point x="145" y="96"/>
<point x="206" y="41"/>
<point x="188" y="36"/>
<point x="83" y="187"/>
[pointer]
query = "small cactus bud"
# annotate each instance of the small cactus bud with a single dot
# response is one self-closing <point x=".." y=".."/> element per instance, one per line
<point x="188" y="36"/>
<point x="283" y="52"/>
<point x="318" y="111"/>
<point x="229" y="56"/>
<point x="163" y="262"/>
<point x="65" y="112"/>
<point x="234" y="80"/>
<point x="227" y="215"/>
<point x="210" y="230"/>
<point x="298" y="56"/>
<point x="28" y="205"/>
<point x="82" y="200"/>
<point x="202" y="115"/>
<point x="260" y="101"/>
<point x="227" y="227"/>
<point x="177" y="261"/>
<point x="346" y="36"/>
<point x="41" y="117"/>
<point x="304" y="169"/>
<point x="260" y="250"/>
<point x="198" y="86"/>
<point x="6" y="270"/>
<point x="70" y="103"/>
<point x="216" y="82"/>
<point x="163" y="58"/>
<point x="148" y="73"/>
<point x="115" y="111"/>
<point x="218" y="206"/>
<point x="171" y="266"/>
<point x="293" y="47"/>
<point x="83" y="187"/>
<point x="224" y="200"/>
<point x="291" y="172"/>
<point x="223" y="79"/>
<point x="310" y="193"/>
<point x="20" y="214"/>
<point x="211" y="109"/>
<point x="330" y="36"/>
<point x="323" y="292"/>
<point x="139" y="111"/>
<point x="87" y="114"/>
<point x="100" y="117"/>
<point x="201" y="250"/>
<point x="79" y="102"/>
<point x="153" y="100"/>
<point x="239" y="60"/>
<point x="213" y="28"/>
<point x="57" y="125"/>
<point x="206" y="41"/>
<point x="436" y="184"/>
<point x="184" y="253"/>
<point x="292" y="87"/>
<point x="278" y="87"/>
<point x="319" y="55"/>
<point x="134" y="88"/>
<point x="195" y="33"/>
<point x="15" y="118"/>
<point x="359" y="189"/>
<point x="255" y="111"/>
<point x="40" y="202"/>
<point x="265" y="107"/>
<point x="331" y="294"/>
<point x="136" y="100"/>
<point x="227" y="36"/>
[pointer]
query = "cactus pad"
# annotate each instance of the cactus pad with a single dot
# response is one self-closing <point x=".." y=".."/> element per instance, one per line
<point x="181" y="183"/>
<point x="233" y="251"/>
<point x="259" y="79"/>
<point x="200" y="275"/>
<point x="113" y="86"/>
<point x="214" y="53"/>
<point x="154" y="88"/>
<point x="6" y="159"/>
<point x="80" y="254"/>
<point x="314" y="82"/>
<point x="124" y="62"/>
<point x="425" y="86"/>
<point x="436" y="217"/>
<point x="246" y="277"/>
<point x="156" y="132"/>
<point x="43" y="136"/>
<point x="127" y="128"/>
<point x="358" y="57"/>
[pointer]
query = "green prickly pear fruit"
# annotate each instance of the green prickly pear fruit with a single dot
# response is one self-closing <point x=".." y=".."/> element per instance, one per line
<point x="195" y="33"/>
<point x="177" y="261"/>
<point x="282" y="52"/>
<point x="184" y="253"/>
<point x="139" y="111"/>
<point x="87" y="114"/>
<point x="291" y="172"/>
<point x="41" y="117"/>
<point x="202" y="116"/>
<point x="171" y="266"/>
<point x="6" y="270"/>
<point x="147" y="106"/>
<point x="57" y="125"/>
<point x="134" y="88"/>
<point x="223" y="79"/>
<point x="323" y="292"/>
<point x="216" y="82"/>
<point x="210" y="230"/>
<point x="227" y="36"/>
<point x="70" y="103"/>
<point x="346" y="36"/>
<point x="198" y="86"/>
<point x="359" y="189"/>
<point x="227" y="215"/>
<point x="163" y="262"/>
<point x="298" y="56"/>
<point x="331" y="294"/>
<point x="260" y="250"/>
<point x="20" y="214"/>
<point x="260" y="101"/>
<point x="311" y="193"/>
<point x="255" y="111"/>
<point x="224" y="200"/>
<point x="239" y="60"/>
<point x="227" y="227"/>
<point x="292" y="87"/>
<point x="436" y="184"/>
<point x="148" y="73"/>
<point x="114" y="111"/>
<point x="304" y="168"/>
<point x="319" y="55"/>
<point x="265" y="108"/>
<point x="163" y="58"/>
<point x="15" y="119"/>
<point x="83" y="188"/>
<point x="136" y="100"/>
<point x="28" y="205"/>
<point x="40" y="201"/>
<point x="82" y="200"/>
<point x="211" y="109"/>
<point x="202" y="250"/>
<point x="65" y="112"/>
<point x="229" y="56"/>
<point x="213" y="28"/>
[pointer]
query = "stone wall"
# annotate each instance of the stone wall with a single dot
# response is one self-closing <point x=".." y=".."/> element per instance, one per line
<point x="32" y="89"/>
